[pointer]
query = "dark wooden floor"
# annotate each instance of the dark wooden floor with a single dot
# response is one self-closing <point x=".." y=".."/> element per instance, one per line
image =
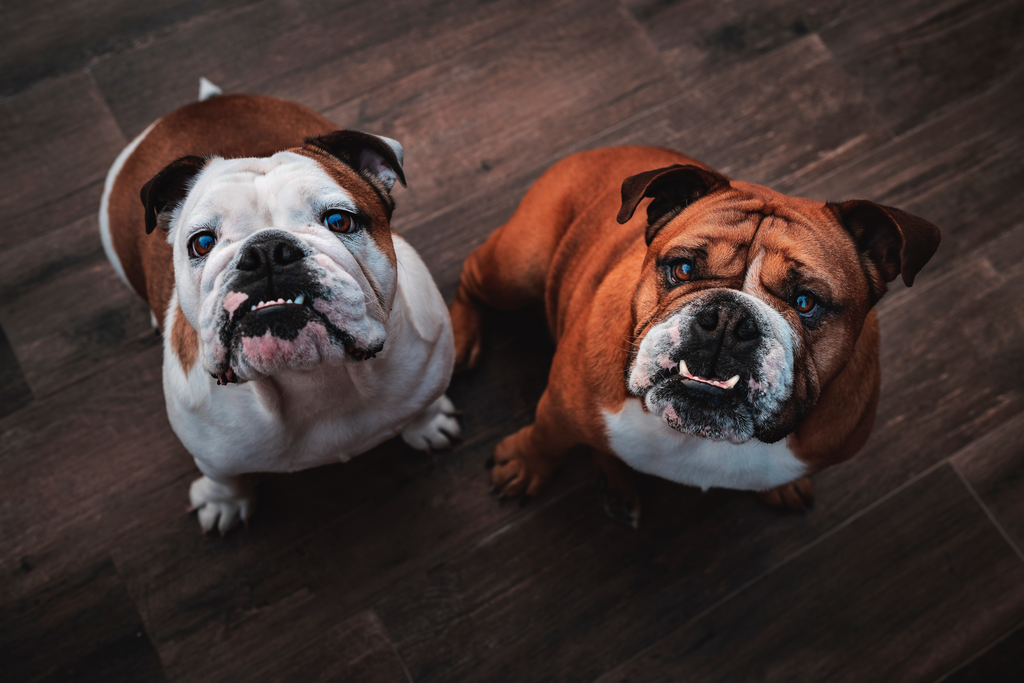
<point x="394" y="568"/>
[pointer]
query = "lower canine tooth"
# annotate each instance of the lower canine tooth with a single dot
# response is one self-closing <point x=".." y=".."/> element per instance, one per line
<point x="299" y="299"/>
<point x="683" y="370"/>
<point x="731" y="382"/>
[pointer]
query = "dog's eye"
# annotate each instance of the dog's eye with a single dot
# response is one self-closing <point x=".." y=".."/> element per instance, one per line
<point x="805" y="304"/>
<point x="681" y="271"/>
<point x="202" y="244"/>
<point x="339" y="221"/>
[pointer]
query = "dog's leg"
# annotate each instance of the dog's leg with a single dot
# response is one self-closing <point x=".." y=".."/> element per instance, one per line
<point x="615" y="488"/>
<point x="524" y="462"/>
<point x="222" y="502"/>
<point x="436" y="428"/>
<point x="796" y="495"/>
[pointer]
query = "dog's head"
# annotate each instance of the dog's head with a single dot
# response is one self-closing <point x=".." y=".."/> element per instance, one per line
<point x="751" y="301"/>
<point x="284" y="261"/>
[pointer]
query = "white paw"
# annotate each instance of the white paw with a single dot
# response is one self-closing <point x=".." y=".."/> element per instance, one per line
<point x="435" y="429"/>
<point x="221" y="505"/>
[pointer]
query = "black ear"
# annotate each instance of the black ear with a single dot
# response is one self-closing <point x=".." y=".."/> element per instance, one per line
<point x="380" y="156"/>
<point x="891" y="242"/>
<point x="673" y="188"/>
<point x="168" y="188"/>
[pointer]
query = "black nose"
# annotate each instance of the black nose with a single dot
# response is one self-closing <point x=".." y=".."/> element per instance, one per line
<point x="727" y="323"/>
<point x="269" y="253"/>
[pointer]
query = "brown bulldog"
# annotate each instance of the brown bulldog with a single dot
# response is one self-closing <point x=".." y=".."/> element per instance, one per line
<point x="726" y="338"/>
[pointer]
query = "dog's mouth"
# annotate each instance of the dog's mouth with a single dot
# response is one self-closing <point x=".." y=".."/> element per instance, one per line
<point x="679" y="374"/>
<point x="284" y="315"/>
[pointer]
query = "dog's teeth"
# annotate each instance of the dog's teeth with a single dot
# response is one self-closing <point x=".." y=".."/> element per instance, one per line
<point x="253" y="308"/>
<point x="259" y="305"/>
<point x="299" y="299"/>
<point x="683" y="370"/>
<point x="280" y="301"/>
<point x="731" y="382"/>
<point x="289" y="301"/>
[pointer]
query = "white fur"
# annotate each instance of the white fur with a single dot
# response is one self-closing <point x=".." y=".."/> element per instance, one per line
<point x="297" y="420"/>
<point x="208" y="89"/>
<point x="646" y="443"/>
<point x="108" y="186"/>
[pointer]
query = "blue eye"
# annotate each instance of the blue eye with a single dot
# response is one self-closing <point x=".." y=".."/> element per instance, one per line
<point x="339" y="221"/>
<point x="202" y="244"/>
<point x="805" y="304"/>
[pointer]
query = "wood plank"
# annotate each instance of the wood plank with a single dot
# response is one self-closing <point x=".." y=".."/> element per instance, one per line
<point x="900" y="54"/>
<point x="700" y="37"/>
<point x="68" y="315"/>
<point x="994" y="465"/>
<point x="357" y="650"/>
<point x="14" y="390"/>
<point x="82" y="627"/>
<point x="477" y="117"/>
<point x="84" y="470"/>
<point x="1001" y="663"/>
<point x="962" y="171"/>
<point x="317" y="53"/>
<point x="49" y="38"/>
<point x="900" y="593"/>
<point x="55" y="157"/>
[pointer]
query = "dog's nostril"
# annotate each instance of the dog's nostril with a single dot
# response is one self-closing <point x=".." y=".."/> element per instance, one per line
<point x="708" y="319"/>
<point x="746" y="329"/>
<point x="250" y="259"/>
<point x="285" y="253"/>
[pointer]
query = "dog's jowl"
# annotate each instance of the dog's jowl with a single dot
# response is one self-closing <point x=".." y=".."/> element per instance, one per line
<point x="298" y="330"/>
<point x="721" y="336"/>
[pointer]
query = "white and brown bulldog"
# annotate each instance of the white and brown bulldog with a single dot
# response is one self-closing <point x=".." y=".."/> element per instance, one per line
<point x="724" y="337"/>
<point x="298" y="330"/>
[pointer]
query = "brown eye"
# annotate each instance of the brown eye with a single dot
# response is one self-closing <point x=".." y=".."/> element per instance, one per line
<point x="682" y="271"/>
<point x="202" y="244"/>
<point x="805" y="304"/>
<point x="339" y="221"/>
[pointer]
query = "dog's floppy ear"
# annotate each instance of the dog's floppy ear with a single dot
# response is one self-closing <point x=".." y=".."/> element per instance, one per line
<point x="379" y="156"/>
<point x="891" y="242"/>
<point x="168" y="188"/>
<point x="673" y="188"/>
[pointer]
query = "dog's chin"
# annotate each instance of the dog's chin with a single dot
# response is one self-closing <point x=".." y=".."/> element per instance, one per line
<point x="713" y="414"/>
<point x="288" y="337"/>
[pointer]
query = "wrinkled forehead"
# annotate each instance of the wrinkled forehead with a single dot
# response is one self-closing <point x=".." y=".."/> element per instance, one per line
<point x="277" y="186"/>
<point x="733" y="228"/>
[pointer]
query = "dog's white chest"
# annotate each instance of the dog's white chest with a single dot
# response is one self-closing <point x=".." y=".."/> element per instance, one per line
<point x="646" y="443"/>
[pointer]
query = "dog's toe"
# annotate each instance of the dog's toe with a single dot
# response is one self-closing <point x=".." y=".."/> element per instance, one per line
<point x="436" y="429"/>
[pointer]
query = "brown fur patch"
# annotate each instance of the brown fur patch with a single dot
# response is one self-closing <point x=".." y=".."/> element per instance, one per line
<point x="184" y="341"/>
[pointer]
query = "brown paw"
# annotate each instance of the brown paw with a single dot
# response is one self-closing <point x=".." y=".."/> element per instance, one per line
<point x="796" y="495"/>
<point x="513" y="475"/>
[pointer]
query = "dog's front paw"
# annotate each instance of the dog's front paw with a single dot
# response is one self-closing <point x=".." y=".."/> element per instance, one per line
<point x="436" y="429"/>
<point x="514" y="473"/>
<point x="796" y="495"/>
<point x="222" y="504"/>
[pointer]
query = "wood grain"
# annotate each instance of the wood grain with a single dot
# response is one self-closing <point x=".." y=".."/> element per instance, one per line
<point x="55" y="156"/>
<point x="866" y="582"/>
<point x="82" y="627"/>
